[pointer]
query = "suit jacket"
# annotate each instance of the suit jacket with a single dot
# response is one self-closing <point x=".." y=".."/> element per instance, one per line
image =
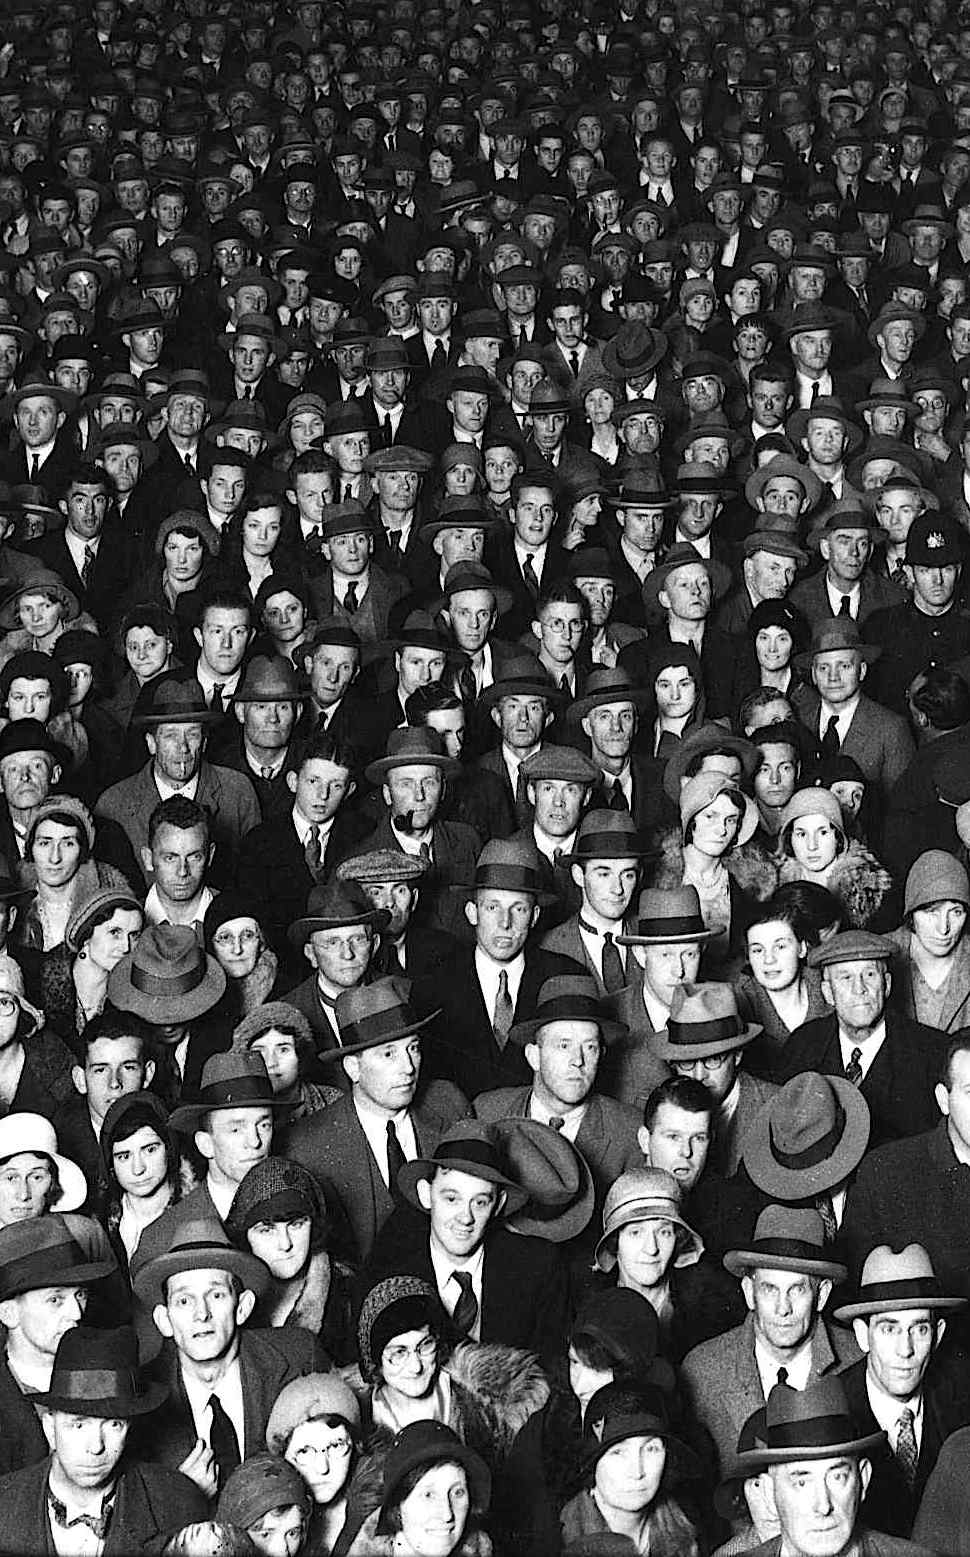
<point x="727" y="1146"/>
<point x="110" y="575"/>
<point x="268" y="1359"/>
<point x="607" y="1137"/>
<point x="867" y="1543"/>
<point x="899" y="1085"/>
<point x="22" y="1441"/>
<point x="53" y="475"/>
<point x="370" y="620"/>
<point x="454" y="848"/>
<point x="567" y="941"/>
<point x="891" y="1504"/>
<point x="812" y="599"/>
<point x="631" y="1068"/>
<point x="151" y="1505"/>
<point x="505" y="567"/>
<point x="461" y="1047"/>
<point x="943" y="1521"/>
<point x="723" y="1386"/>
<point x="534" y="1320"/>
<point x="228" y="797"/>
<point x="651" y="808"/>
<point x="332" y="1144"/>
<point x="273" y="872"/>
<point x="878" y="740"/>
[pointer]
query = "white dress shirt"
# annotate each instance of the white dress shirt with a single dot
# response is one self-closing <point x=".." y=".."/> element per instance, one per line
<point x="869" y="1048"/>
<point x="374" y="1125"/>
<point x="156" y="912"/>
<point x="592" y="930"/>
<point x="887" y="1410"/>
<point x="835" y="597"/>
<point x="489" y="972"/>
<point x="843" y="716"/>
<point x="805" y="390"/>
<point x="444" y="1264"/>
<point x="798" y="1368"/>
<point x="166" y="790"/>
<point x="229" y="1392"/>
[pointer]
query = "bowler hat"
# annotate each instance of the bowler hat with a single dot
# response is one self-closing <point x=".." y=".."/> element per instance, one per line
<point x="704" y="1020"/>
<point x="96" y="1374"/>
<point x="375" y="1014"/>
<point x="808" y="1138"/>
<point x="236" y="1079"/>
<point x="891" y="1281"/>
<point x="467" y="1147"/>
<point x="167" y="977"/>
<point x="786" y="1238"/>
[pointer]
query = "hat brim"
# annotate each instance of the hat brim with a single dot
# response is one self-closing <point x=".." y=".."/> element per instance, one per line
<point x="149" y="1283"/>
<point x="605" y="1257"/>
<point x="406" y="1030"/>
<point x="154" y="1396"/>
<point x="301" y="929"/>
<point x="585" y="705"/>
<point x="667" y="940"/>
<point x="185" y="1008"/>
<point x="739" y="1261"/>
<point x="175" y="716"/>
<point x="376" y="771"/>
<point x="699" y="1051"/>
<point x="411" y="1175"/>
<point x="758" y="1458"/>
<point x="885" y="1305"/>
<point x="799" y="1183"/>
<point x="679" y="760"/>
<point x="70" y="1276"/>
<point x="504" y="598"/>
<point x="499" y="689"/>
<point x="717" y="572"/>
<point x="611" y="1031"/>
<point x="190" y="1116"/>
<point x="870" y="653"/>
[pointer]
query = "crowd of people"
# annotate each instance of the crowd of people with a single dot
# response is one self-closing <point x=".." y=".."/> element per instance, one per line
<point x="484" y="778"/>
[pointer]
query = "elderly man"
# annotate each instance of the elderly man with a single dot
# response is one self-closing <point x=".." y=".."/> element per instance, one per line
<point x="905" y="1383"/>
<point x="396" y="474"/>
<point x="772" y="557"/>
<point x="847" y="586"/>
<point x="605" y="867"/>
<point x="260" y="741"/>
<point x="809" y="336"/>
<point x="175" y="725"/>
<point x="338" y="936"/>
<point x="392" y="881"/>
<point x="784" y="1336"/>
<point x="560" y="782"/>
<point x="391" y="1114"/>
<point x="520" y="703"/>
<point x="894" y="1061"/>
<point x="840" y="715"/>
<point x="820" y="1469"/>
<point x="608" y="714"/>
<point x="932" y="628"/>
<point x="684" y="589"/>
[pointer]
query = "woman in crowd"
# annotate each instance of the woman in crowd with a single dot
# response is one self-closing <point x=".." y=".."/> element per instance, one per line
<point x="261" y="538"/>
<point x="87" y="726"/>
<point x="145" y="642"/>
<point x="279" y="1214"/>
<point x="282" y="1035"/>
<point x="34" y="1177"/>
<point x="35" y="1063"/>
<point x="59" y="865"/>
<point x="777" y="990"/>
<point x="776" y="633"/>
<point x="434" y="1495"/>
<point x="102" y="929"/>
<point x="931" y="972"/>
<point x="269" y="1500"/>
<point x="141" y="1165"/>
<point x="37" y="612"/>
<point x="315" y="1426"/>
<point x="597" y="394"/>
<point x="233" y="935"/>
<point x="813" y="846"/>
<point x="282" y="609"/>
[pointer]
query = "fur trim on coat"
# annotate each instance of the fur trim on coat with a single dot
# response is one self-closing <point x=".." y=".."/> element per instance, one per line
<point x="750" y="866"/>
<point x="367" y="1542"/>
<point x="856" y="878"/>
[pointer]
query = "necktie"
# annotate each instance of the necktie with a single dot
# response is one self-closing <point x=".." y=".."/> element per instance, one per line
<point x="557" y="1122"/>
<point x="87" y="567"/>
<point x="574" y="363"/>
<point x="815" y="389"/>
<point x="906" y="1451"/>
<point x="222" y="1441"/>
<point x="393" y="540"/>
<point x="466" y="1309"/>
<point x="466" y="686"/>
<point x="313" y="851"/>
<point x="614" y="977"/>
<point x="853" y="1071"/>
<point x="249" y="392"/>
<point x="439" y="356"/>
<point x="217" y="701"/>
<point x="521" y="789"/>
<point x="530" y="576"/>
<point x="660" y="198"/>
<point x="826" y="1211"/>
<point x="504" y="1011"/>
<point x="845" y="606"/>
<point x="350" y="599"/>
<point x="347" y="492"/>
<point x="98" y="1523"/>
<point x="617" y="800"/>
<point x="782" y="1376"/>
<point x="830" y="739"/>
<point x="395" y="1156"/>
<point x="187" y="462"/>
<point x="34" y="466"/>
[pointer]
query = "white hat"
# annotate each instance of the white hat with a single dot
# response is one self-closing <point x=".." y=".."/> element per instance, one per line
<point x="33" y="1133"/>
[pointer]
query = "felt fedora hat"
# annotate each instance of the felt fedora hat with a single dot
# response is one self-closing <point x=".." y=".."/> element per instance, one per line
<point x="569" y="998"/>
<point x="635" y="349"/>
<point x="467" y="1147"/>
<point x="834" y="633"/>
<point x="607" y="835"/>
<point x="409" y="747"/>
<point x="643" y="1195"/>
<point x="891" y="1281"/>
<point x="811" y="1424"/>
<point x="472" y="575"/>
<point x="702" y="742"/>
<point x="783" y="465"/>
<point x="177" y="700"/>
<point x="269" y="678"/>
<point x="825" y="408"/>
<point x="333" y="904"/>
<point x="96" y="1373"/>
<point x="786" y="1238"/>
<point x="236" y="1079"/>
<point x="509" y="865"/>
<point x="667" y="916"/>
<point x="374" y="1014"/>
<point x="704" y="1020"/>
<point x="188" y="1241"/>
<point x="604" y="686"/>
<point x="167" y="977"/>
<point x="521" y="676"/>
<point x="43" y="1252"/>
<point x="808" y="1138"/>
<point x="555" y="1176"/>
<point x="681" y="555"/>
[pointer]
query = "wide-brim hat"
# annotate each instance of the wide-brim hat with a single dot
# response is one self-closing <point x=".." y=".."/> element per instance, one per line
<point x="96" y="1374"/>
<point x="34" y="387"/>
<point x="667" y="916"/>
<point x="643" y="1195"/>
<point x="25" y="1131"/>
<point x="40" y="581"/>
<point x="827" y="408"/>
<point x="701" y="742"/>
<point x="468" y="1147"/>
<point x="374" y="1014"/>
<point x="177" y="700"/>
<point x="786" y="1238"/>
<point x="605" y="686"/>
<point x="556" y="1176"/>
<point x="331" y="905"/>
<point x="891" y="1281"/>
<point x="412" y="748"/>
<point x="168" y="977"/>
<point x="680" y="555"/>
<point x="42" y="1252"/>
<point x="569" y="998"/>
<point x="893" y="313"/>
<point x="269" y="679"/>
<point x="234" y="1079"/>
<point x="809" y="1138"/>
<point x="810" y="1424"/>
<point x="634" y="350"/>
<point x="521" y="676"/>
<point x="704" y="1020"/>
<point x="783" y="465"/>
<point x="191" y="1242"/>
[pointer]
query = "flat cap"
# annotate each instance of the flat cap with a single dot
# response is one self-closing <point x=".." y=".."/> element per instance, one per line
<point x="851" y="946"/>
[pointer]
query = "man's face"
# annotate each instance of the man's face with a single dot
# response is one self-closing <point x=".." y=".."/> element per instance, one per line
<point x="349" y="554"/>
<point x="857" y="990"/>
<point x="838" y="674"/>
<point x="502" y="920"/>
<point x="817" y="1502"/>
<point x="935" y="587"/>
<point x="26" y="778"/>
<point x="418" y="668"/>
<point x="776" y="775"/>
<point x="112" y="1068"/>
<point x="341" y="955"/>
<point x="534" y="515"/>
<point x="471" y="613"/>
<point x="415" y="791"/>
<point x="87" y="1448"/>
<point x="387" y="1075"/>
<point x="785" y="1305"/>
<point x="558" y="805"/>
<point x="896" y="340"/>
<point x="770" y="575"/>
<point x="250" y="356"/>
<point x="177" y="750"/>
<point x="186" y="415"/>
<point x="179" y="857"/>
<point x="687" y="592"/>
<point x="521" y="721"/>
<point x="224" y="488"/>
<point x="396" y="898"/>
<point x="319" y="788"/>
<point x="332" y="669"/>
<point x="236" y="1139"/>
<point x="899" y="1345"/>
<point x="45" y="1315"/>
<point x="677" y="1141"/>
<point x="611" y="729"/>
<point x="607" y="886"/>
<point x="37" y="419"/>
<point x="812" y="350"/>
<point x="565" y="1057"/>
<point x="223" y="638"/>
<point x="461" y="1207"/>
<point x="559" y="630"/>
<point x="202" y="1313"/>
<point x="469" y="410"/>
<point x="847" y="552"/>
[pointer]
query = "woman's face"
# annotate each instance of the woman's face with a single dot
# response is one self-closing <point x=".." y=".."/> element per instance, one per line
<point x="147" y="652"/>
<point x="280" y="1532"/>
<point x="584" y="1380"/>
<point x="434" y="1513"/>
<point x="114" y="939"/>
<point x="598" y="405"/>
<point x="139" y="1162"/>
<point x="56" y="853"/>
<point x="322" y="1455"/>
<point x="409" y="1363"/>
<point x="183" y="557"/>
<point x="716" y="827"/>
<point x="814" y="842"/>
<point x="675" y="691"/>
<point x="29" y="698"/>
<point x="25" y="1183"/>
<point x="628" y="1475"/>
<point x="261" y="531"/>
<point x="644" y="1251"/>
<point x="283" y="1246"/>
<point x="939" y="926"/>
<point x="281" y="1058"/>
<point x="40" y="614"/>
<point x="775" y="954"/>
<point x="237" y="945"/>
<point x="773" y="647"/>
